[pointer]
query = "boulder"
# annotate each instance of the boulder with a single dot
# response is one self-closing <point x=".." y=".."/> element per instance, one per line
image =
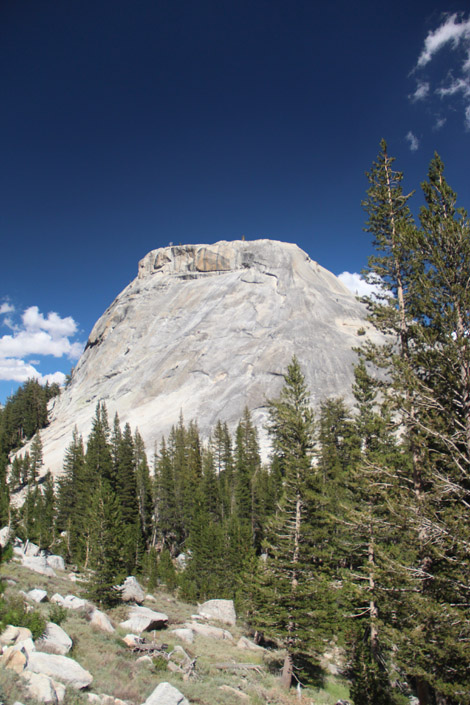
<point x="27" y="646"/>
<point x="186" y="635"/>
<point x="145" y="660"/>
<point x="219" y="610"/>
<point x="37" y="595"/>
<point x="143" y="619"/>
<point x="70" y="602"/>
<point x="14" y="659"/>
<point x="39" y="565"/>
<point x="131" y="639"/>
<point x="31" y="550"/>
<point x="44" y="688"/>
<point x="5" y="535"/>
<point x="247" y="644"/>
<point x="54" y="640"/>
<point x="13" y="635"/>
<point x="166" y="694"/>
<point x="131" y="591"/>
<point x="61" y="667"/>
<point x="209" y="631"/>
<point x="56" y="562"/>
<point x="101" y="621"/>
<point x="57" y="599"/>
<point x="181" y="561"/>
<point x="73" y="602"/>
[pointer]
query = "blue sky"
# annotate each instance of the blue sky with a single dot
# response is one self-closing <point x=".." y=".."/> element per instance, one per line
<point x="129" y="125"/>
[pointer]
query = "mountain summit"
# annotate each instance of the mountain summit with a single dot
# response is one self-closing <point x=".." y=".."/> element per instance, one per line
<point x="205" y="330"/>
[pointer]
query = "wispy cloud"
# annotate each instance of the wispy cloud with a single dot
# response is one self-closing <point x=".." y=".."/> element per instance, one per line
<point x="454" y="33"/>
<point x="6" y="307"/>
<point x="356" y="284"/>
<point x="421" y="92"/>
<point x="440" y="122"/>
<point x="450" y="31"/>
<point x="413" y="141"/>
<point x="36" y="334"/>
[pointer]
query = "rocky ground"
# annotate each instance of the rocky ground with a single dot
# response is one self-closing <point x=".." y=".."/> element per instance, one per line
<point x="152" y="649"/>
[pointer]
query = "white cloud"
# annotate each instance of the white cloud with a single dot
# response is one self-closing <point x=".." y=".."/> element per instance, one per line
<point x="440" y="122"/>
<point x="467" y="117"/>
<point x="454" y="32"/>
<point x="37" y="334"/>
<point x="450" y="31"/>
<point x="413" y="140"/>
<point x="421" y="92"/>
<point x="456" y="85"/>
<point x="54" y="324"/>
<point x="14" y="370"/>
<point x="6" y="308"/>
<point x="355" y="283"/>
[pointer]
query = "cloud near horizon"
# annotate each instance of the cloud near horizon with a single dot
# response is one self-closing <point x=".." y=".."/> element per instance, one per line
<point x="453" y="32"/>
<point x="36" y="334"/>
<point x="356" y="284"/>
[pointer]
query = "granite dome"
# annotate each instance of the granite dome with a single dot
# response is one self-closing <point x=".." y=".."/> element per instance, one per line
<point x="206" y="330"/>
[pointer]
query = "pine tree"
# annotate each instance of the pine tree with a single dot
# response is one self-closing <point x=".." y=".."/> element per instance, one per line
<point x="144" y="487"/>
<point x="247" y="468"/>
<point x="167" y="519"/>
<point x="47" y="515"/>
<point x="4" y="491"/>
<point x="104" y="547"/>
<point x="36" y="459"/>
<point x="282" y="593"/>
<point x="72" y="498"/>
<point x="427" y="271"/>
<point x="221" y="446"/>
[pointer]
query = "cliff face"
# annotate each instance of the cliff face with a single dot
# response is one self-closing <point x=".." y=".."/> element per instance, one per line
<point x="205" y="330"/>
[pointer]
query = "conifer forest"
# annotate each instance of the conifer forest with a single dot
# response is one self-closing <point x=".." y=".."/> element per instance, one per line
<point x="357" y="529"/>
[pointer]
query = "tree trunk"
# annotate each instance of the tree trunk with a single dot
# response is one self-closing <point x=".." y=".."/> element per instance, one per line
<point x="422" y="691"/>
<point x="287" y="672"/>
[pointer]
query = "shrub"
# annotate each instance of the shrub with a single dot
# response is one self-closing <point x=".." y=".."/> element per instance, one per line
<point x="14" y="611"/>
<point x="57" y="614"/>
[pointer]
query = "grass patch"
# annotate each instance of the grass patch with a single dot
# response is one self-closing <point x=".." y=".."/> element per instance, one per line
<point x="115" y="669"/>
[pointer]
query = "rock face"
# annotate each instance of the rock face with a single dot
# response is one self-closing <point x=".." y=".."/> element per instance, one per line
<point x="207" y="330"/>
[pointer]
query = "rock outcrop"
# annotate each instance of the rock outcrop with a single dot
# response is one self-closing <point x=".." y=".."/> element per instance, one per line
<point x="207" y="330"/>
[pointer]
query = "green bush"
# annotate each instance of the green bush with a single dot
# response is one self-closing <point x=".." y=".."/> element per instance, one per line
<point x="14" y="611"/>
<point x="57" y="614"/>
<point x="160" y="663"/>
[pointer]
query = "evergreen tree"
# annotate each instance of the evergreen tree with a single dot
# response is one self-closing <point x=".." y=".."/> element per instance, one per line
<point x="98" y="457"/>
<point x="72" y="498"/>
<point x="168" y="527"/>
<point x="104" y="547"/>
<point x="282" y="606"/>
<point x="36" y="458"/>
<point x="221" y="446"/>
<point x="4" y="492"/>
<point x="144" y="487"/>
<point x="46" y="515"/>
<point x="429" y="389"/>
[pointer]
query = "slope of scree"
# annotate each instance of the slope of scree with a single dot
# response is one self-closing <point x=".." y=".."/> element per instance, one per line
<point x="205" y="330"/>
